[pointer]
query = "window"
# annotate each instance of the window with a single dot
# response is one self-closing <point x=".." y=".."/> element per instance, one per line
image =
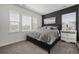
<point x="26" y="23"/>
<point x="34" y="23"/>
<point x="69" y="21"/>
<point x="14" y="21"/>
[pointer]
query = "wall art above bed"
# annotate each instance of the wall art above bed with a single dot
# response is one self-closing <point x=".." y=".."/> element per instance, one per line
<point x="51" y="20"/>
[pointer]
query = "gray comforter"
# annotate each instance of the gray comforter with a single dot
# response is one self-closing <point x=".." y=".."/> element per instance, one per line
<point x="46" y="35"/>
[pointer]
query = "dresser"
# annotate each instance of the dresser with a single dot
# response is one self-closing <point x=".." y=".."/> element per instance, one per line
<point x="68" y="36"/>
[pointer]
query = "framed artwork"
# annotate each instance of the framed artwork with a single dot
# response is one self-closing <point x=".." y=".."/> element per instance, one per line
<point x="51" y="20"/>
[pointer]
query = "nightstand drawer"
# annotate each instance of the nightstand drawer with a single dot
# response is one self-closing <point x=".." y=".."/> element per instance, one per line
<point x="69" y="39"/>
<point x="71" y="35"/>
<point x="68" y="35"/>
<point x="64" y="35"/>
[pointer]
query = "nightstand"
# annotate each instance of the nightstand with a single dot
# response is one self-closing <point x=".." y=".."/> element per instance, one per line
<point x="77" y="45"/>
<point x="68" y="36"/>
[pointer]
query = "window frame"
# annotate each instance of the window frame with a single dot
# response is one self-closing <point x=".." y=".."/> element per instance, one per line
<point x="35" y="23"/>
<point x="65" y="25"/>
<point x="26" y="22"/>
<point x="14" y="21"/>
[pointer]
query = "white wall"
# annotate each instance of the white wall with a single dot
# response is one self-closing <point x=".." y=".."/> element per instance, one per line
<point x="5" y="36"/>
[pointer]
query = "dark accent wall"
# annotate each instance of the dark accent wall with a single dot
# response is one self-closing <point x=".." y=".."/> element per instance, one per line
<point x="58" y="15"/>
<point x="77" y="23"/>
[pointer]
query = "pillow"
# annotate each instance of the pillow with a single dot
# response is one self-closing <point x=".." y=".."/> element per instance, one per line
<point x="44" y="27"/>
<point x="48" y="27"/>
<point x="51" y="27"/>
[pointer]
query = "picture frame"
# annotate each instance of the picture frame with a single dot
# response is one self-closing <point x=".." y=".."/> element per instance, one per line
<point x="51" y="20"/>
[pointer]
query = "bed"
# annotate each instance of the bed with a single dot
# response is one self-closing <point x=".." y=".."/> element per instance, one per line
<point x="46" y="37"/>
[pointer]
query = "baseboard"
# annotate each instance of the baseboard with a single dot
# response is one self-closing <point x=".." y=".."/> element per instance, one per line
<point x="10" y="43"/>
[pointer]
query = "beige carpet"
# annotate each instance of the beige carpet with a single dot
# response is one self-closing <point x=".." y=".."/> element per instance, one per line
<point x="23" y="47"/>
<point x="64" y="48"/>
<point x="26" y="47"/>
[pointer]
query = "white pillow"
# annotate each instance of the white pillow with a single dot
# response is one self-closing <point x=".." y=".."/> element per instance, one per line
<point x="48" y="27"/>
<point x="51" y="27"/>
<point x="44" y="27"/>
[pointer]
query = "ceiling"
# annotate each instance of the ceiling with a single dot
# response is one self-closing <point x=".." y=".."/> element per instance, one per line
<point x="46" y="8"/>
